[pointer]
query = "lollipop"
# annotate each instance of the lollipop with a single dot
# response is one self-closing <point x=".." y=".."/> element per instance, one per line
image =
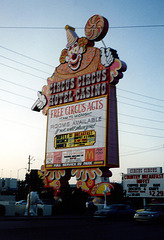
<point x="96" y="28"/>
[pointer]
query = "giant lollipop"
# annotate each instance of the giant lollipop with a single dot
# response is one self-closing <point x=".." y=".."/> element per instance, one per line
<point x="96" y="28"/>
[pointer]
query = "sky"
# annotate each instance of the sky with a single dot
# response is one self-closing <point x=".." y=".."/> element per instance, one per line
<point x="32" y="36"/>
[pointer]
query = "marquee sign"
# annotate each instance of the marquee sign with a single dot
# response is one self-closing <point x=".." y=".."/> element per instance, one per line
<point x="144" y="185"/>
<point x="76" y="134"/>
<point x="79" y="88"/>
<point x="144" y="170"/>
<point x="80" y="102"/>
<point x="75" y="139"/>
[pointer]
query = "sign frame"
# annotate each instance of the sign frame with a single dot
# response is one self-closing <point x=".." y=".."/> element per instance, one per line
<point x="50" y="166"/>
<point x="144" y="185"/>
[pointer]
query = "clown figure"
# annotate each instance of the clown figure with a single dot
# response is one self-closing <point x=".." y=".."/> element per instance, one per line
<point x="74" y="51"/>
<point x="32" y="201"/>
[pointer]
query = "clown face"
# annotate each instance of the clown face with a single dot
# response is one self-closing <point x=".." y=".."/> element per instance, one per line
<point x="74" y="56"/>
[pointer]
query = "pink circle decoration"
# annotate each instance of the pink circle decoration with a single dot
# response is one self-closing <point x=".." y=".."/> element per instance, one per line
<point x="96" y="28"/>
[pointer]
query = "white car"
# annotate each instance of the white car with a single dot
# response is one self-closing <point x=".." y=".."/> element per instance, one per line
<point x="152" y="212"/>
<point x="21" y="202"/>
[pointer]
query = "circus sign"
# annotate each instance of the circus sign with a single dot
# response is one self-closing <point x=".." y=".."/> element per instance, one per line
<point x="80" y="103"/>
<point x="77" y="138"/>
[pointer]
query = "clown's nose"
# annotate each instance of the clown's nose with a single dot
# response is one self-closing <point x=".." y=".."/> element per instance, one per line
<point x="74" y="55"/>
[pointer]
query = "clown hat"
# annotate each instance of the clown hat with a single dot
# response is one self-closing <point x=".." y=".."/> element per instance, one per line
<point x="71" y="35"/>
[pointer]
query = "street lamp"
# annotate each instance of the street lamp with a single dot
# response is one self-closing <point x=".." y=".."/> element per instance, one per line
<point x="18" y="172"/>
<point x="105" y="193"/>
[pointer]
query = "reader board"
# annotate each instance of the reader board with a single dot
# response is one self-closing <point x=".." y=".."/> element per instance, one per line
<point x="144" y="185"/>
<point x="76" y="134"/>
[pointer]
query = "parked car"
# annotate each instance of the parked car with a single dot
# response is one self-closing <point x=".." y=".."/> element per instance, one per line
<point x="115" y="211"/>
<point x="45" y="202"/>
<point x="48" y="201"/>
<point x="21" y="202"/>
<point x="152" y="212"/>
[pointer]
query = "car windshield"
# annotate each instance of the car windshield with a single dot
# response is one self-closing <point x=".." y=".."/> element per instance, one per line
<point x="111" y="207"/>
<point x="119" y="207"/>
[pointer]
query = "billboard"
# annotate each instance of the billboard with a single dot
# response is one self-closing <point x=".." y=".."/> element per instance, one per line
<point x="144" y="185"/>
<point x="76" y="135"/>
<point x="80" y="102"/>
<point x="144" y="170"/>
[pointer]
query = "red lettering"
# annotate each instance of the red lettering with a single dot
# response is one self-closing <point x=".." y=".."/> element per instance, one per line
<point x="95" y="105"/>
<point x="78" y="108"/>
<point x="101" y="104"/>
<point x="58" y="112"/>
<point x="131" y="176"/>
<point x="143" y="181"/>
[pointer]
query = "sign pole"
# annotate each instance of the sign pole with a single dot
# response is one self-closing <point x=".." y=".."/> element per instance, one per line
<point x="144" y="202"/>
<point x="29" y="200"/>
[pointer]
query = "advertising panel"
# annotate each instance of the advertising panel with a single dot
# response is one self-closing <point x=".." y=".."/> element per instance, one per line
<point x="144" y="185"/>
<point x="82" y="124"/>
<point x="76" y="134"/>
<point x="144" y="170"/>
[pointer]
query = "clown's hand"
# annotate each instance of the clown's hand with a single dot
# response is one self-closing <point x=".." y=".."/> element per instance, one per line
<point x="106" y="57"/>
<point x="40" y="102"/>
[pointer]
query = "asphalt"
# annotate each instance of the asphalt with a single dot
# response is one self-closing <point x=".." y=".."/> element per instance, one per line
<point x="26" y="218"/>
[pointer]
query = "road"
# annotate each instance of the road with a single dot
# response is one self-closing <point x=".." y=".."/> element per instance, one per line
<point x="76" y="227"/>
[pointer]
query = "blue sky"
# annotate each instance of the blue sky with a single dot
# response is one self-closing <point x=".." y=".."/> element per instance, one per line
<point x="136" y="34"/>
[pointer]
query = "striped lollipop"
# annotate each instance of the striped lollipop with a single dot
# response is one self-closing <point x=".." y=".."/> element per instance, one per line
<point x="96" y="28"/>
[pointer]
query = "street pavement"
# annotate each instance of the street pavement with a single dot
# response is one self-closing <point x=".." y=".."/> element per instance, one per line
<point x="76" y="227"/>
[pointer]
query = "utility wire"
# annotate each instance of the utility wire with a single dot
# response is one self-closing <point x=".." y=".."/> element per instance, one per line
<point x="142" y="95"/>
<point x="53" y="67"/>
<point x="136" y="117"/>
<point x="122" y="154"/>
<point x="135" y="125"/>
<point x="136" y="100"/>
<point x="23" y="124"/>
<point x="136" y="106"/>
<point x="19" y="95"/>
<point x="33" y="59"/>
<point x="140" y="26"/>
<point x="21" y="71"/>
<point x="141" y="149"/>
<point x="146" y="135"/>
<point x="24" y="64"/>
<point x="14" y="104"/>
<point x="117" y="101"/>
<point x="62" y="28"/>
<point x="141" y="134"/>
<point x="131" y="116"/>
<point x="5" y="80"/>
<point x="144" y="151"/>
<point x="140" y="107"/>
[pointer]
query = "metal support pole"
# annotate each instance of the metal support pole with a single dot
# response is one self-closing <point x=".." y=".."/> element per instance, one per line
<point x="29" y="200"/>
<point x="144" y="202"/>
<point x="29" y="161"/>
